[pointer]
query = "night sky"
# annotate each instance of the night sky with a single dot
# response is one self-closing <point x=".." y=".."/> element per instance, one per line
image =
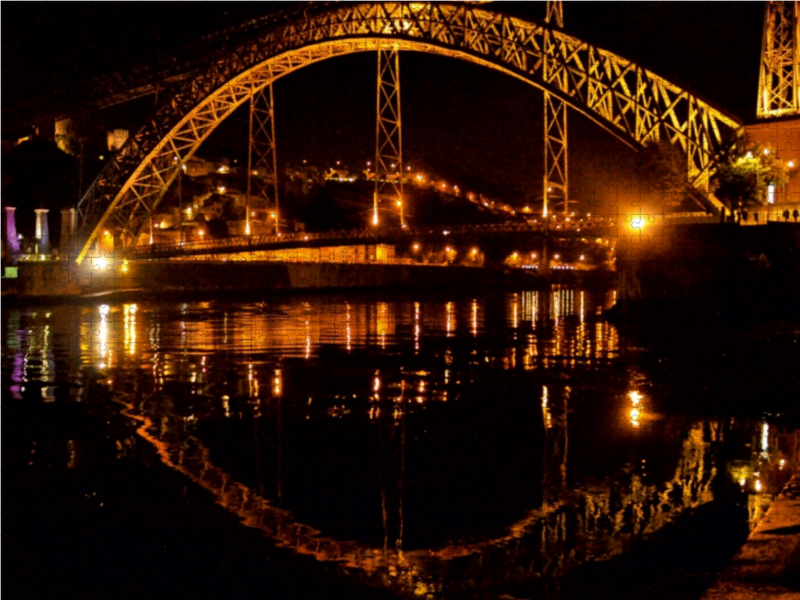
<point x="465" y="121"/>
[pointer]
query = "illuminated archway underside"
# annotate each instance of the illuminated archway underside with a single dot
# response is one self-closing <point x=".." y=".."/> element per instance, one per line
<point x="625" y="99"/>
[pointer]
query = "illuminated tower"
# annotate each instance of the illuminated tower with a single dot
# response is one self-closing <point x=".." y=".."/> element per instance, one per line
<point x="11" y="239"/>
<point x="389" y="138"/>
<point x="262" y="159"/>
<point x="556" y="191"/>
<point x="779" y="83"/>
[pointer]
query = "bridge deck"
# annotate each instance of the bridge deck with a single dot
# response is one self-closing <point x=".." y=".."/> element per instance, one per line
<point x="556" y="228"/>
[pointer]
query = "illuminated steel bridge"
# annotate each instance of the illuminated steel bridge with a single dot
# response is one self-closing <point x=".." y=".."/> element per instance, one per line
<point x="627" y="100"/>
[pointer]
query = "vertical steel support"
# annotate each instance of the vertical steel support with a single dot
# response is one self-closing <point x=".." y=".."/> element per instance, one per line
<point x="779" y="83"/>
<point x="556" y="188"/>
<point x="389" y="138"/>
<point x="555" y="153"/>
<point x="555" y="13"/>
<point x="262" y="158"/>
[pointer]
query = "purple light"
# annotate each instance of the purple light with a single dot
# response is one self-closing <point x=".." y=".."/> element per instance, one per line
<point x="12" y="240"/>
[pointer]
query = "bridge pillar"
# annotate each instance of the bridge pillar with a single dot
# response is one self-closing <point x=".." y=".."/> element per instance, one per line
<point x="545" y="264"/>
<point x="779" y="81"/>
<point x="11" y="238"/>
<point x="556" y="181"/>
<point x="69" y="227"/>
<point x="389" y="171"/>
<point x="262" y="159"/>
<point x="42" y="231"/>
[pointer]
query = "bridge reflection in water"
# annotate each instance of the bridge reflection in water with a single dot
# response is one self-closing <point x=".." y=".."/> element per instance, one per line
<point x="254" y="401"/>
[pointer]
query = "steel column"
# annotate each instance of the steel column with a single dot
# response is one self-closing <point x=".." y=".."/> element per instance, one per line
<point x="389" y="137"/>
<point x="779" y="84"/>
<point x="556" y="182"/>
<point x="262" y="159"/>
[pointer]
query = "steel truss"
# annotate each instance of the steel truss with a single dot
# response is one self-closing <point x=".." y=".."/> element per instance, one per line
<point x="627" y="100"/>
<point x="556" y="181"/>
<point x="556" y="185"/>
<point x="262" y="159"/>
<point x="389" y="137"/>
<point x="779" y="84"/>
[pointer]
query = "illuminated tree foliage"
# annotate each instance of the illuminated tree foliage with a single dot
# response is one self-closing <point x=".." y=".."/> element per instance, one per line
<point x="745" y="173"/>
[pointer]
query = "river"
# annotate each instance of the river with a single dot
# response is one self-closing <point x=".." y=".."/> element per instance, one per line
<point x="512" y="444"/>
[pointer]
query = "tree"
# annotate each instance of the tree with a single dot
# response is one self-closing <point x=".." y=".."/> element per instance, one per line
<point x="745" y="173"/>
<point x="663" y="166"/>
<point x="217" y="229"/>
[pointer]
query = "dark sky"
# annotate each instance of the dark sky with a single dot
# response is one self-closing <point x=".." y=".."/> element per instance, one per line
<point x="465" y="121"/>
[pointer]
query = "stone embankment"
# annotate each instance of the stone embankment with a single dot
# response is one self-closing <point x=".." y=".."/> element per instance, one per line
<point x="767" y="567"/>
<point x="60" y="279"/>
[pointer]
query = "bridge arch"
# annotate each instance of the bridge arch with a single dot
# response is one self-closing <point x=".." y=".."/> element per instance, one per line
<point x="629" y="101"/>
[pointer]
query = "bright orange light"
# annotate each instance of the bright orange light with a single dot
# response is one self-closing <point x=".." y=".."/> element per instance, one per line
<point x="201" y="232"/>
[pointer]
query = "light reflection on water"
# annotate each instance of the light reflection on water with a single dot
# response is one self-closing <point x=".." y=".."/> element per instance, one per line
<point x="584" y="466"/>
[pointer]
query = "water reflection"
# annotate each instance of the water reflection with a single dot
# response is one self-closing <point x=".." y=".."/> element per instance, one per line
<point x="421" y="444"/>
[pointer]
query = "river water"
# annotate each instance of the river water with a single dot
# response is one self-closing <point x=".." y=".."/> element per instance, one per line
<point x="440" y="446"/>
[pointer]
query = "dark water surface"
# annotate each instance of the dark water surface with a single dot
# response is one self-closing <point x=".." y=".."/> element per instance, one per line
<point x="510" y="445"/>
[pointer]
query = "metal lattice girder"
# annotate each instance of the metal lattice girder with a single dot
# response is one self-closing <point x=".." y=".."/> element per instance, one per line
<point x="555" y="155"/>
<point x="262" y="159"/>
<point x="389" y="137"/>
<point x="555" y="13"/>
<point x="779" y="84"/>
<point x="627" y="100"/>
<point x="556" y="181"/>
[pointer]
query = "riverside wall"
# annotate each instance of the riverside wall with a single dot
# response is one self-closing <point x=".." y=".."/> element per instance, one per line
<point x="63" y="280"/>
